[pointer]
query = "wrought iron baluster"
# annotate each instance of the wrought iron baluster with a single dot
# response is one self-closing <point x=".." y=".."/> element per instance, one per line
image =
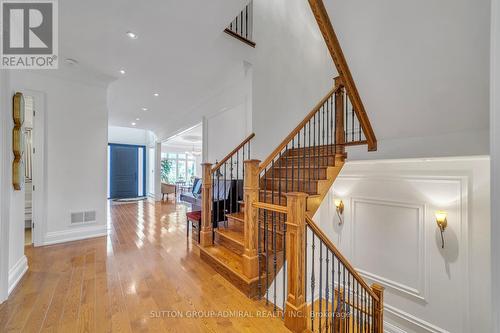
<point x="274" y="256"/>
<point x="323" y="134"/>
<point x="246" y="22"/>
<point x="333" y="293"/>
<point x="238" y="199"/>
<point x="225" y="194"/>
<point x="312" y="283"/>
<point x="309" y="153"/>
<point x="298" y="162"/>
<point x="332" y="124"/>
<point x="327" y="289"/>
<point x="259" y="258"/>
<point x="304" y="161"/>
<point x="266" y="249"/>
<point x="293" y="163"/>
<point x="230" y="188"/>
<point x="314" y="139"/>
<point x="284" y="265"/>
<point x="320" y="284"/>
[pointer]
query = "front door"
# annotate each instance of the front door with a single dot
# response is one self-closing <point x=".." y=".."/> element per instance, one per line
<point x="124" y="169"/>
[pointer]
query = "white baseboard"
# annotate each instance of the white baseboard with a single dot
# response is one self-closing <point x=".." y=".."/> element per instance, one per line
<point x="17" y="272"/>
<point x="75" y="234"/>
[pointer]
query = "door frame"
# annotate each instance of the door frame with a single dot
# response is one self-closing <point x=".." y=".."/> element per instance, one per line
<point x="39" y="216"/>
<point x="144" y="165"/>
<point x="5" y="125"/>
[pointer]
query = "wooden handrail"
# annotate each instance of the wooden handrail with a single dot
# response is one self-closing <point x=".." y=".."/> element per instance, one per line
<point x="332" y="42"/>
<point x="296" y="130"/>
<point x="224" y="160"/>
<point x="271" y="207"/>
<point x="321" y="235"/>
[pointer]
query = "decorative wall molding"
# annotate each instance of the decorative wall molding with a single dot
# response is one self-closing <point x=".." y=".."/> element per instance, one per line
<point x="17" y="272"/>
<point x="74" y="234"/>
<point x="390" y="328"/>
<point x="421" y="292"/>
<point x="428" y="327"/>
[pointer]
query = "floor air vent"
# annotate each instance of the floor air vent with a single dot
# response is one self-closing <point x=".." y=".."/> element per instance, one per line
<point x="83" y="217"/>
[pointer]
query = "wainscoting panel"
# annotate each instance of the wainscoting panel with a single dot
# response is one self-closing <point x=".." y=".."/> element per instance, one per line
<point x="406" y="270"/>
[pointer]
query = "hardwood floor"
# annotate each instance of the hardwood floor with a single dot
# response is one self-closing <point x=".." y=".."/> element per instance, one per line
<point x="142" y="277"/>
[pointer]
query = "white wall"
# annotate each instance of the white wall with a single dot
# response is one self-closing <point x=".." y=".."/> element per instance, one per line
<point x="75" y="157"/>
<point x="495" y="164"/>
<point x="421" y="68"/>
<point x="227" y="120"/>
<point x="292" y="70"/>
<point x="127" y="135"/>
<point x="390" y="236"/>
<point x="4" y="185"/>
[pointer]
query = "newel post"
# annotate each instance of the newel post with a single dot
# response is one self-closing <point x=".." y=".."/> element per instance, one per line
<point x="206" y="206"/>
<point x="296" y="307"/>
<point x="339" y="117"/>
<point x="378" y="308"/>
<point x="251" y="228"/>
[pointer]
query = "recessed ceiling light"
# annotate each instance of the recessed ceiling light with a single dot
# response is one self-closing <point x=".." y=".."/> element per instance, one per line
<point x="156" y="94"/>
<point x="133" y="124"/>
<point x="144" y="109"/>
<point x="71" y="61"/>
<point x="137" y="119"/>
<point x="122" y="71"/>
<point x="132" y="35"/>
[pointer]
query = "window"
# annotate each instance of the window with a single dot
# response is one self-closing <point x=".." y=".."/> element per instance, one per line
<point x="182" y="167"/>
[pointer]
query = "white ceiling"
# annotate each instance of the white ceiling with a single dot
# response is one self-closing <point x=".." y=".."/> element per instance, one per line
<point x="189" y="139"/>
<point x="181" y="53"/>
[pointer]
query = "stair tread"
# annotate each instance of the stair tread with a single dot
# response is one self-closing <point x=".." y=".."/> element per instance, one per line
<point x="295" y="167"/>
<point x="308" y="156"/>
<point x="294" y="179"/>
<point x="226" y="257"/>
<point x="240" y="216"/>
<point x="283" y="193"/>
<point x="232" y="231"/>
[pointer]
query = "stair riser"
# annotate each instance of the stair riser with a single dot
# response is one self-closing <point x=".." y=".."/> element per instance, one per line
<point x="229" y="243"/>
<point x="250" y="290"/>
<point x="324" y="150"/>
<point x="289" y="186"/>
<point x="304" y="173"/>
<point x="306" y="162"/>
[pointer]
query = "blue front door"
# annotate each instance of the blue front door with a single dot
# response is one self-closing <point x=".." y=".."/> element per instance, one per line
<point x="123" y="171"/>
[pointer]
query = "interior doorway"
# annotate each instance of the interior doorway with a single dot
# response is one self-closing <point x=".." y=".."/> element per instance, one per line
<point x="33" y="158"/>
<point x="127" y="171"/>
<point x="29" y="128"/>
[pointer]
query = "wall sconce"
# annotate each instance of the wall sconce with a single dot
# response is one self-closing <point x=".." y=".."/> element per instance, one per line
<point x="442" y="223"/>
<point x="339" y="207"/>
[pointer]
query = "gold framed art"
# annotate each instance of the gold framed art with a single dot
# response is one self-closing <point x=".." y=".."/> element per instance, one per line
<point x="18" y="141"/>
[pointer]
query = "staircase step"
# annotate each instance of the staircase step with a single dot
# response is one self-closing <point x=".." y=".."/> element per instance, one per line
<point x="289" y="185"/>
<point x="231" y="237"/>
<point x="305" y="173"/>
<point x="308" y="162"/>
<point x="324" y="149"/>
<point x="230" y="266"/>
<point x="237" y="221"/>
<point x="280" y="199"/>
<point x="236" y="217"/>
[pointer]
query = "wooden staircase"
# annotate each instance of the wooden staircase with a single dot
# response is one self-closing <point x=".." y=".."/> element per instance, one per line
<point x="269" y="223"/>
